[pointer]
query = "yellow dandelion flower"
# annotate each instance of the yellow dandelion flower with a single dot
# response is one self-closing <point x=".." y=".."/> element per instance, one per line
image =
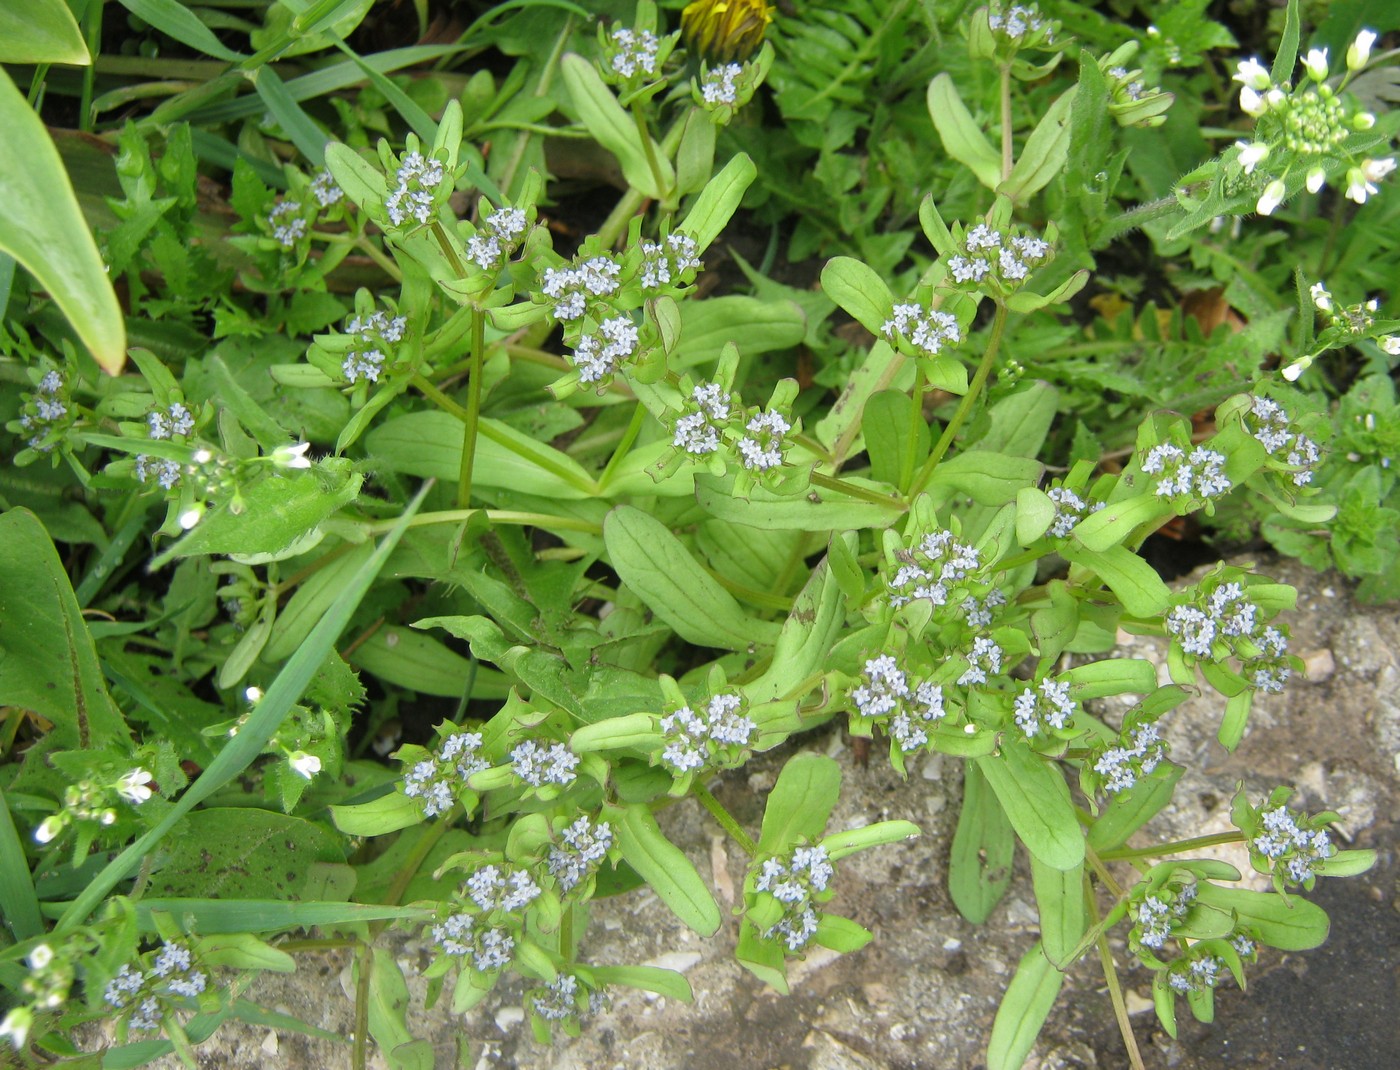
<point x="725" y="30"/>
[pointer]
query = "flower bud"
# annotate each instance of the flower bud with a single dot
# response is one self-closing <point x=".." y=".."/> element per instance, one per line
<point x="1271" y="198"/>
<point x="1316" y="64"/>
<point x="1317" y="178"/>
<point x="1359" y="54"/>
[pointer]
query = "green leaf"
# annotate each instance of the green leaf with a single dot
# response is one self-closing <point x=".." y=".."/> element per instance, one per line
<point x="242" y="853"/>
<point x="415" y="661"/>
<point x="820" y="510"/>
<point x="984" y="846"/>
<point x="362" y="182"/>
<point x="718" y="201"/>
<point x="1287" y="56"/>
<point x="761" y="325"/>
<point x="174" y="19"/>
<point x="1132" y="579"/>
<point x="660" y="571"/>
<point x="987" y="478"/>
<point x="859" y="289"/>
<point x="1059" y="899"/>
<point x="802" y="647"/>
<point x="634" y="730"/>
<point x="1291" y="924"/>
<point x="1115" y="522"/>
<point x="388" y="813"/>
<point x="664" y="867"/>
<point x="388" y="1014"/>
<point x="762" y="958"/>
<point x="885" y="424"/>
<point x="1113" y="676"/>
<point x="311" y="600"/>
<point x="1346" y="863"/>
<point x="1027" y="1003"/>
<point x="1045" y="151"/>
<point x="1130" y="810"/>
<point x="614" y="129"/>
<point x="1035" y="797"/>
<point x="962" y="139"/>
<point x="840" y="844"/>
<point x="275" y="514"/>
<point x="800" y="803"/>
<point x="667" y="983"/>
<point x="309" y="138"/>
<point x="41" y="31"/>
<point x="48" y="663"/>
<point x="695" y="159"/>
<point x="841" y="935"/>
<point x="18" y="903"/>
<point x="43" y="228"/>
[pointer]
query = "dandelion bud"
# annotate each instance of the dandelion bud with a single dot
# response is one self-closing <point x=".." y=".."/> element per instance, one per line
<point x="1271" y="198"/>
<point x="1359" y="54"/>
<point x="724" y="30"/>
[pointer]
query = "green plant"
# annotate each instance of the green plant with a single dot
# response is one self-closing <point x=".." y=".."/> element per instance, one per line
<point x="571" y="520"/>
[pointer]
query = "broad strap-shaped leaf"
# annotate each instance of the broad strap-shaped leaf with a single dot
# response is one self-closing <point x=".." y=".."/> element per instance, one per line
<point x="43" y="228"/>
<point x="1059" y="899"/>
<point x="608" y="122"/>
<point x="1043" y="156"/>
<point x="719" y="200"/>
<point x="1036" y="799"/>
<point x="41" y="31"/>
<point x="1129" y="810"/>
<point x="859" y="289"/>
<point x="812" y="628"/>
<point x="800" y="802"/>
<point x="660" y="571"/>
<point x="48" y="663"/>
<point x="1023" y="1010"/>
<point x="962" y="138"/>
<point x="1132" y="579"/>
<point x="1291" y="924"/>
<point x="819" y="510"/>
<point x="984" y="846"/>
<point x="664" y="867"/>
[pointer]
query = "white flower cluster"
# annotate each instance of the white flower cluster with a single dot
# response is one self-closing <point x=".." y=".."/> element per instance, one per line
<point x="287" y="222"/>
<point x="162" y="469"/>
<point x="1227" y="616"/>
<point x="1070" y="509"/>
<point x="886" y="698"/>
<point x="145" y="993"/>
<point x="762" y="448"/>
<point x="418" y="180"/>
<point x="721" y="85"/>
<point x="1194" y="974"/>
<point x="936" y="564"/>
<point x="1051" y="708"/>
<point x="793" y="882"/>
<point x="1017" y="20"/>
<point x="1197" y="474"/>
<point x="985" y="658"/>
<point x="586" y="844"/>
<point x="635" y="51"/>
<point x="601" y="354"/>
<point x="1307" y="127"/>
<point x="44" y="408"/>
<point x="437" y="780"/>
<point x="497" y="238"/>
<point x="490" y="949"/>
<point x="539" y="765"/>
<point x="325" y="189"/>
<point x="990" y="254"/>
<point x="569" y="288"/>
<point x="698" y="431"/>
<point x="1157" y="915"/>
<point x="493" y="887"/>
<point x="664" y="262"/>
<point x="375" y="333"/>
<point x="980" y="613"/>
<point x="176" y="420"/>
<point x="1141" y="748"/>
<point x="1296" y="848"/>
<point x="927" y="331"/>
<point x="1268" y="422"/>
<point x="714" y="735"/>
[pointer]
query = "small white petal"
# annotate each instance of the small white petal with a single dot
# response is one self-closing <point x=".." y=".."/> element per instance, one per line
<point x="1317" y="178"/>
<point x="1316" y="63"/>
<point x="1359" y="54"/>
<point x="1375" y="170"/>
<point x="307" y="765"/>
<point x="190" y="517"/>
<point x="1251" y="154"/>
<point x="1391" y="344"/>
<point x="1251" y="102"/>
<point x="1253" y="74"/>
<point x="1271" y="198"/>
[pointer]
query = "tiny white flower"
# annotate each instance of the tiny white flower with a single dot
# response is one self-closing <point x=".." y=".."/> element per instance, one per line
<point x="1271" y="198"/>
<point x="292" y="456"/>
<point x="1316" y="63"/>
<point x="41" y="956"/>
<point x="1359" y="54"/>
<point x="1252" y="154"/>
<point x="107" y="818"/>
<point x="1391" y="344"/>
<point x="16" y="1026"/>
<point x="190" y="517"/>
<point x="1252" y="102"/>
<point x="133" y="787"/>
<point x="1320" y="297"/>
<point x="1375" y="170"/>
<point x="48" y="829"/>
<point x="202" y="457"/>
<point x="1358" y="186"/>
<point x="307" y="765"/>
<point x="1297" y="368"/>
<point x="1317" y="178"/>
<point x="1253" y="74"/>
<point x="253" y="695"/>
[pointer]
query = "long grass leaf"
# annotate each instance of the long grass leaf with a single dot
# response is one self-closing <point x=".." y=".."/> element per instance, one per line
<point x="176" y="20"/>
<point x="300" y="127"/>
<point x="265" y="719"/>
<point x="19" y="906"/>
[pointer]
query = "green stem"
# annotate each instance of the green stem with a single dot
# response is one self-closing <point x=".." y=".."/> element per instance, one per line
<point x="389" y="267"/>
<point x="1133" y="218"/>
<point x="616" y="224"/>
<point x="473" y="416"/>
<point x="1339" y="209"/>
<point x="815" y="448"/>
<point x="1115" y="990"/>
<point x="720" y="814"/>
<point x="979" y="380"/>
<point x="1007" y="161"/>
<point x="1174" y="847"/>
<point x="496" y="516"/>
<point x="92" y="27"/>
<point x="446" y="246"/>
<point x="639" y="116"/>
<point x="629" y="436"/>
<point x="851" y="490"/>
<point x="911" y="444"/>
